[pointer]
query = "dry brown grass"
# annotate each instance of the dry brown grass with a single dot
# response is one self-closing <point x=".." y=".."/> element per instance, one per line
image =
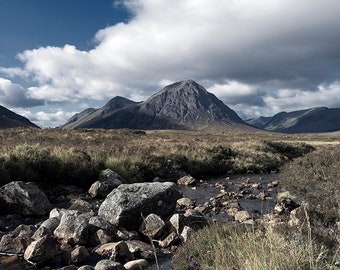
<point x="141" y="157"/>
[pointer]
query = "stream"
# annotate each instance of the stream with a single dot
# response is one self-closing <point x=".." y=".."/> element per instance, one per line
<point x="204" y="191"/>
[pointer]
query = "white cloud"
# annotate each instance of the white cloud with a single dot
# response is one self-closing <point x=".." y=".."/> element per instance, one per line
<point x="291" y="100"/>
<point x="255" y="55"/>
<point x="46" y="119"/>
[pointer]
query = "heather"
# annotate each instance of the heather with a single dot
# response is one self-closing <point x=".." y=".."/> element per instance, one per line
<point x="76" y="156"/>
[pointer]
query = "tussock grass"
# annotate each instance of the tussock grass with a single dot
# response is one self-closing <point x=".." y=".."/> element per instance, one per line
<point x="314" y="180"/>
<point x="228" y="247"/>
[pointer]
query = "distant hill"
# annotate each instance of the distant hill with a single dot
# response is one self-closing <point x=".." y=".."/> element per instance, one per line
<point x="313" y="120"/>
<point x="181" y="105"/>
<point x="9" y="119"/>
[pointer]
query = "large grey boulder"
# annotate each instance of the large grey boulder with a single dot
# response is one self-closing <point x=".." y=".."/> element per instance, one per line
<point x="24" y="199"/>
<point x="126" y="204"/>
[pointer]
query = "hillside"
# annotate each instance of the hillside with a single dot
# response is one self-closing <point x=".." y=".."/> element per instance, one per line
<point x="313" y="120"/>
<point x="9" y="119"/>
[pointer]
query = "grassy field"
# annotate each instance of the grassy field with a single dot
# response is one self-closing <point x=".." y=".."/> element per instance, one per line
<point x="309" y="165"/>
<point x="77" y="156"/>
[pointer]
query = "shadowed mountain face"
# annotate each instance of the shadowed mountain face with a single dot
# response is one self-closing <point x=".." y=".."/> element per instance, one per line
<point x="181" y="105"/>
<point x="9" y="119"/>
<point x="314" y="120"/>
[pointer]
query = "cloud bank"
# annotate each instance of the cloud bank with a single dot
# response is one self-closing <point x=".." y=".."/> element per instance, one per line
<point x="259" y="57"/>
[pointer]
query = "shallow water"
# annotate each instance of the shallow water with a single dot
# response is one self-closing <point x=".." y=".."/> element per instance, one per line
<point x="206" y="190"/>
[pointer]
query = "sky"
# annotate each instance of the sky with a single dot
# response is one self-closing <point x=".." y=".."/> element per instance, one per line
<point x="59" y="57"/>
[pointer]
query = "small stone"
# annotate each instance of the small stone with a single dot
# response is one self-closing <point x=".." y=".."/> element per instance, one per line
<point x="187" y="181"/>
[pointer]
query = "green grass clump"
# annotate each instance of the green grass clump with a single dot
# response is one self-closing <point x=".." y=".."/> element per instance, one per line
<point x="230" y="247"/>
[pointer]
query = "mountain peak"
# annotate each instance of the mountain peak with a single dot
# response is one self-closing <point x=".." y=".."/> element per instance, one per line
<point x="180" y="105"/>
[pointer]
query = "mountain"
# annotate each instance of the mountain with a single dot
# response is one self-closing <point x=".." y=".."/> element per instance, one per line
<point x="101" y="118"/>
<point x="313" y="120"/>
<point x="9" y="119"/>
<point x="182" y="105"/>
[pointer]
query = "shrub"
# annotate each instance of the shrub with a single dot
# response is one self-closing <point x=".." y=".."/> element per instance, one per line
<point x="289" y="151"/>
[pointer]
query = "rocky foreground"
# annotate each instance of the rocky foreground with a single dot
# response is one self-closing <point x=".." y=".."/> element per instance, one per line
<point x="114" y="225"/>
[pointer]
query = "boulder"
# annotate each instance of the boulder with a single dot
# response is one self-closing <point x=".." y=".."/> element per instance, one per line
<point x="10" y="244"/>
<point x="141" y="249"/>
<point x="126" y="205"/>
<point x="24" y="199"/>
<point x="108" y="180"/>
<point x="185" y="203"/>
<point x="152" y="226"/>
<point x="41" y="250"/>
<point x="100" y="223"/>
<point x="18" y="240"/>
<point x="100" y="237"/>
<point x="41" y="232"/>
<point x="73" y="229"/>
<point x="51" y="223"/>
<point x="80" y="205"/>
<point x="80" y="255"/>
<point x="116" y="251"/>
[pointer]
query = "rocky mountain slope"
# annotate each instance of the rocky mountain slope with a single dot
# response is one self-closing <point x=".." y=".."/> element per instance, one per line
<point x="182" y="105"/>
<point x="9" y="119"/>
<point x="313" y="120"/>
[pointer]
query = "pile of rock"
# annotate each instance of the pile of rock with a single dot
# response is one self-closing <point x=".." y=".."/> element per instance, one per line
<point x="126" y="230"/>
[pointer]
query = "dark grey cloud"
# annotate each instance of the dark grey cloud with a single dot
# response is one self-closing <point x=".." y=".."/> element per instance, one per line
<point x="14" y="95"/>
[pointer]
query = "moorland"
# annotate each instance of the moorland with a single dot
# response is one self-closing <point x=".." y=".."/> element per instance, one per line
<point x="309" y="166"/>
